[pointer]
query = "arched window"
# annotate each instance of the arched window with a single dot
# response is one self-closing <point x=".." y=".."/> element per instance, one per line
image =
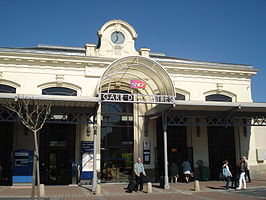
<point x="218" y="97"/>
<point x="7" y="89"/>
<point x="179" y="96"/>
<point x="59" y="91"/>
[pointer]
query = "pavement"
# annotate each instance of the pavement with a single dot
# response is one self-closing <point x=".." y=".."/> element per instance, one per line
<point x="209" y="190"/>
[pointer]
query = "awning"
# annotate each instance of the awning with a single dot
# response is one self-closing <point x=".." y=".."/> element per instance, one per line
<point x="65" y="109"/>
<point x="54" y="100"/>
<point x="212" y="106"/>
<point x="119" y="74"/>
<point x="193" y="113"/>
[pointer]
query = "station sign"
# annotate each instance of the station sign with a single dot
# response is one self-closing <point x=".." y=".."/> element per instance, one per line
<point x="137" y="98"/>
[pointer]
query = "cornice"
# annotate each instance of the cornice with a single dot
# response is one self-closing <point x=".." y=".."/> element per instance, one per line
<point x="209" y="70"/>
<point x="16" y="58"/>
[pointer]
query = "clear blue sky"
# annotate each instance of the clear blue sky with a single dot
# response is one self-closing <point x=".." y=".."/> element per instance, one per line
<point x="231" y="31"/>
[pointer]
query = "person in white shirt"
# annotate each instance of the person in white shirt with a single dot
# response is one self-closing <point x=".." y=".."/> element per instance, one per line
<point x="139" y="172"/>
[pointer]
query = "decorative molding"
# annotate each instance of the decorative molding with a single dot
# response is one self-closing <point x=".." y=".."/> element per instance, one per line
<point x="219" y="87"/>
<point x="60" y="79"/>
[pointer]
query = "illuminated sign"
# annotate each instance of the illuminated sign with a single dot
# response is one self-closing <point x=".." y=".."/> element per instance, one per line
<point x="137" y="84"/>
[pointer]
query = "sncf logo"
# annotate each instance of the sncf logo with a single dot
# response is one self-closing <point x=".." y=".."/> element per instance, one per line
<point x="137" y="84"/>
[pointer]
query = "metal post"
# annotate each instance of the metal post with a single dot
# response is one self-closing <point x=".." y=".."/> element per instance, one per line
<point x="94" y="179"/>
<point x="166" y="181"/>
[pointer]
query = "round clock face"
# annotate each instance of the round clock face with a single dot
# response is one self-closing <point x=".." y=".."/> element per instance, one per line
<point x="117" y="37"/>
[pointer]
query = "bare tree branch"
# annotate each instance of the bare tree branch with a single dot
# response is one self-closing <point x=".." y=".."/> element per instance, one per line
<point x="33" y="115"/>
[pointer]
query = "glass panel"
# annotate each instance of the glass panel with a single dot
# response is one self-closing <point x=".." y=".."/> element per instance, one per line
<point x="218" y="97"/>
<point x="59" y="91"/>
<point x="7" y="89"/>
<point x="116" y="142"/>
<point x="180" y="96"/>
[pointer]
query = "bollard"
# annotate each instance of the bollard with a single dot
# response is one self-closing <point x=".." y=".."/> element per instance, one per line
<point x="149" y="188"/>
<point x="98" y="190"/>
<point x="196" y="186"/>
<point x="42" y="190"/>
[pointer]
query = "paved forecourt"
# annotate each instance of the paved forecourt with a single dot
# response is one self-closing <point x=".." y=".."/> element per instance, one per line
<point x="209" y="190"/>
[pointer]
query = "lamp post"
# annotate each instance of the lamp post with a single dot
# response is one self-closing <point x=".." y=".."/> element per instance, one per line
<point x="94" y="179"/>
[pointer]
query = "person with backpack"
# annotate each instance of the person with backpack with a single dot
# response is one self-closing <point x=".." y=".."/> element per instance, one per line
<point x="242" y="169"/>
<point x="226" y="174"/>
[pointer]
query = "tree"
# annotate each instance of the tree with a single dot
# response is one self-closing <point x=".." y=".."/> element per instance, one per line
<point x="33" y="114"/>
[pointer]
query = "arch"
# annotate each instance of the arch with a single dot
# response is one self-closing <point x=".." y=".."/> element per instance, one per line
<point x="122" y="71"/>
<point x="222" y="94"/>
<point x="182" y="94"/>
<point x="59" y="91"/>
<point x="64" y="85"/>
<point x="120" y="22"/>
<point x="9" y="83"/>
<point x="218" y="97"/>
<point x="7" y="89"/>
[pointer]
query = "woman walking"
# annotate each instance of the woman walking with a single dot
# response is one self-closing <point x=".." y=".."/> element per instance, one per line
<point x="226" y="174"/>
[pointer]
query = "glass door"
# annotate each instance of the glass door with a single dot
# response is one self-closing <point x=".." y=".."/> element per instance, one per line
<point x="117" y="142"/>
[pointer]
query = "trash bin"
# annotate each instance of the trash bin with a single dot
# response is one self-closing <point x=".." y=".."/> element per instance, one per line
<point x="202" y="171"/>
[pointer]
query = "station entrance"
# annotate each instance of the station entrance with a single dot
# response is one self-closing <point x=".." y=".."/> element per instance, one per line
<point x="221" y="144"/>
<point x="177" y="149"/>
<point x="117" y="142"/>
<point x="57" y="152"/>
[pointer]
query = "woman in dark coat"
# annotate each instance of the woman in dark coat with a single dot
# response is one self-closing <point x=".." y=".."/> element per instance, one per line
<point x="173" y="172"/>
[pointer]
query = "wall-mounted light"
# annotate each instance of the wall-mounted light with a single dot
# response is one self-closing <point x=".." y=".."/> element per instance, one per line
<point x="95" y="127"/>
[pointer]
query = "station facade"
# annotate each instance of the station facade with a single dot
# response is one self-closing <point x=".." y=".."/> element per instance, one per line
<point x="162" y="109"/>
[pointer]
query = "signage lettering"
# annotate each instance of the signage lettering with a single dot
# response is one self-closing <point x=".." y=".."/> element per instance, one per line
<point x="137" y="98"/>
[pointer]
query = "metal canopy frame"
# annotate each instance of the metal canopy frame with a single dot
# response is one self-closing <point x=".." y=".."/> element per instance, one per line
<point x="59" y="115"/>
<point x="125" y="69"/>
<point x="211" y="114"/>
<point x="65" y="109"/>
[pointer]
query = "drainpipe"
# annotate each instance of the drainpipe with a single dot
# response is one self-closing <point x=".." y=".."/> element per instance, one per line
<point x="94" y="179"/>
<point x="166" y="181"/>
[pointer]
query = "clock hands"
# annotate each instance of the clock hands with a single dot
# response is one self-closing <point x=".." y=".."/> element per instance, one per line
<point x="116" y="36"/>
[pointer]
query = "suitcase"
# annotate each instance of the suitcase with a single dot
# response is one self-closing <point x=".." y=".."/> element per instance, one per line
<point x="131" y="185"/>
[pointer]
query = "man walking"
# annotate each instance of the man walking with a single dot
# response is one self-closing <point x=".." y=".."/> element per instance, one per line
<point x="139" y="172"/>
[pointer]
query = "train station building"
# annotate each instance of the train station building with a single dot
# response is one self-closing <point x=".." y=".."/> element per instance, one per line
<point x="137" y="103"/>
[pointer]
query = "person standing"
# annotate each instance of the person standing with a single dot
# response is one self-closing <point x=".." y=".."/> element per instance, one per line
<point x="247" y="175"/>
<point x="173" y="172"/>
<point x="242" y="169"/>
<point x="186" y="170"/>
<point x="226" y="174"/>
<point x="1" y="169"/>
<point x="139" y="172"/>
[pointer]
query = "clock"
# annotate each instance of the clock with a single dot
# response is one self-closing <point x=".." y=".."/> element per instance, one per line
<point x="117" y="37"/>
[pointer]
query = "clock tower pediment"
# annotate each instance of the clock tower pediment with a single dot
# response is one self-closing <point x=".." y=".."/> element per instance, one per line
<point x="117" y="39"/>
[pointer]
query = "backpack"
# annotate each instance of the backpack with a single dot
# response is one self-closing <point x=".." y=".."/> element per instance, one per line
<point x="225" y="172"/>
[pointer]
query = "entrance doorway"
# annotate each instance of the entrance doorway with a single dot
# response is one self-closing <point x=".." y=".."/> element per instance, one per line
<point x="57" y="152"/>
<point x="117" y="142"/>
<point x="177" y="149"/>
<point x="221" y="143"/>
<point x="6" y="134"/>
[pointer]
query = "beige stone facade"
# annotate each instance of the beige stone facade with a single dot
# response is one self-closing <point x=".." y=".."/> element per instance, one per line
<point x="88" y="70"/>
